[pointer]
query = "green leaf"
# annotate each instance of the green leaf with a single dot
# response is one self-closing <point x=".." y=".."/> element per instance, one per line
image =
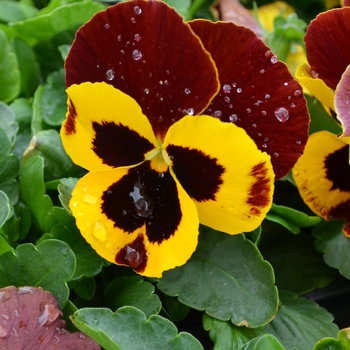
<point x="133" y="291"/>
<point x="28" y="66"/>
<point x="48" y="144"/>
<point x="342" y="343"/>
<point x="181" y="6"/>
<point x="176" y="310"/>
<point x="226" y="335"/>
<point x="295" y="256"/>
<point x="4" y="246"/>
<point x="300" y="323"/>
<point x="7" y="120"/>
<point x="12" y="11"/>
<point x="224" y="266"/>
<point x="290" y="218"/>
<point x="65" y="189"/>
<point x="64" y="49"/>
<point x="68" y="311"/>
<point x="49" y="265"/>
<point x="117" y="330"/>
<point x="266" y="341"/>
<point x="331" y="241"/>
<point x="22" y="108"/>
<point x="54" y="99"/>
<point x="5" y="208"/>
<point x="85" y="289"/>
<point x="32" y="192"/>
<point x="10" y="79"/>
<point x="60" y="19"/>
<point x="89" y="263"/>
<point x="5" y="145"/>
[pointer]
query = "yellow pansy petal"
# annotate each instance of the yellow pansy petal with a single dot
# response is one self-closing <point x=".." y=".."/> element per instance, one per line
<point x="136" y="217"/>
<point x="105" y="128"/>
<point x="322" y="175"/>
<point x="223" y="171"/>
<point x="316" y="86"/>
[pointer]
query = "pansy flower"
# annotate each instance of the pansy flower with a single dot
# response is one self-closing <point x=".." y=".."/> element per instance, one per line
<point x="322" y="174"/>
<point x="148" y="118"/>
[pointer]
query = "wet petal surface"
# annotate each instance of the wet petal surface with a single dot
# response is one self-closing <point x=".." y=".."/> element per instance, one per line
<point x="230" y="182"/>
<point x="109" y="128"/>
<point x="144" y="49"/>
<point x="342" y="101"/>
<point x="322" y="175"/>
<point x="327" y="45"/>
<point x="137" y="217"/>
<point x="257" y="92"/>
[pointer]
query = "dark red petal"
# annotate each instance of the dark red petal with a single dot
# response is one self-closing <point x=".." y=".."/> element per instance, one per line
<point x="144" y="196"/>
<point x="117" y="145"/>
<point x="257" y="92"/>
<point x="31" y="319"/>
<point x="328" y="46"/>
<point x="144" y="49"/>
<point x="198" y="174"/>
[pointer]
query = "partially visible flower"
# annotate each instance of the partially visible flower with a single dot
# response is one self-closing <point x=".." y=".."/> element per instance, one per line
<point x="31" y="319"/>
<point x="322" y="174"/>
<point x="157" y="169"/>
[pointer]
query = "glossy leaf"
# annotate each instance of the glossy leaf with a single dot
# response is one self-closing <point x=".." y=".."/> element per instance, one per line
<point x="32" y="192"/>
<point x="342" y="343"/>
<point x="290" y="218"/>
<point x="7" y="121"/>
<point x="4" y="208"/>
<point x="85" y="289"/>
<point x="266" y="341"/>
<point x="10" y="78"/>
<point x="62" y="18"/>
<point x="295" y="256"/>
<point x="300" y="323"/>
<point x="181" y="6"/>
<point x="4" y="246"/>
<point x="331" y="241"/>
<point x="38" y="123"/>
<point x="227" y="278"/>
<point x="28" y="66"/>
<point x="133" y="291"/>
<point x="65" y="189"/>
<point x="117" y="330"/>
<point x="226" y="335"/>
<point x="49" y="265"/>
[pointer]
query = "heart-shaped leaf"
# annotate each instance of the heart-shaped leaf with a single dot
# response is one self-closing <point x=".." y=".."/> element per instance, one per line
<point x="342" y="343"/>
<point x="266" y="341"/>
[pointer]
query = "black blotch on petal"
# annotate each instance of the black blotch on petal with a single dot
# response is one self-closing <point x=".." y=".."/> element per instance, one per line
<point x="144" y="197"/>
<point x="338" y="169"/>
<point x="118" y="145"/>
<point x="199" y="175"/>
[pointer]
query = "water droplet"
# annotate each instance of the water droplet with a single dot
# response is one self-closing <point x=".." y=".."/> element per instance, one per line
<point x="143" y="204"/>
<point x="314" y="74"/>
<point x="298" y="142"/>
<point x="230" y="106"/>
<point x="274" y="59"/>
<point x="122" y="52"/>
<point x="234" y="85"/>
<point x="239" y="90"/>
<point x="262" y="71"/>
<point x="73" y="203"/>
<point x="190" y="111"/>
<point x="263" y="112"/>
<point x="136" y="55"/>
<point x="297" y="93"/>
<point x="264" y="145"/>
<point x="167" y="71"/>
<point x="289" y="97"/>
<point x="266" y="139"/>
<point x="3" y="332"/>
<point x="292" y="105"/>
<point x="137" y="37"/>
<point x="107" y="26"/>
<point x="109" y="192"/>
<point x="119" y="38"/>
<point x="254" y="125"/>
<point x="233" y="117"/>
<point x="227" y="99"/>
<point x="226" y="88"/>
<point x="248" y="110"/>
<point x="161" y="175"/>
<point x="134" y="255"/>
<point x="276" y="155"/>
<point x="88" y="198"/>
<point x="26" y="290"/>
<point x="137" y="10"/>
<point x="166" y="82"/>
<point x="133" y="20"/>
<point x="281" y="114"/>
<point x="49" y="315"/>
<point x="110" y="74"/>
<point x="187" y="91"/>
<point x="82" y="336"/>
<point x="216" y="114"/>
<point x="257" y="103"/>
<point x="160" y="82"/>
<point x="267" y="53"/>
<point x="259" y="134"/>
<point x="160" y="119"/>
<point x="124" y="212"/>
<point x="146" y="91"/>
<point x="100" y="231"/>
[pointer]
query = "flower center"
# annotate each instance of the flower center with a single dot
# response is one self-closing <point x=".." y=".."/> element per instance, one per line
<point x="159" y="160"/>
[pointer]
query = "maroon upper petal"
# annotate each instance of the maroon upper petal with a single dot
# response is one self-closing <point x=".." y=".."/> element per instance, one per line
<point x="327" y="45"/>
<point x="31" y="319"/>
<point x="257" y="92"/>
<point x="146" y="50"/>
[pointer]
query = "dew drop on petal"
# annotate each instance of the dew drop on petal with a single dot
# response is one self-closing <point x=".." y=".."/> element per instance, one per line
<point x="285" y="83"/>
<point x="292" y="105"/>
<point x="239" y="90"/>
<point x="281" y="114"/>
<point x="119" y="38"/>
<point x="100" y="231"/>
<point x="190" y="111"/>
<point x="137" y="10"/>
<point x="124" y="212"/>
<point x="133" y="20"/>
<point x="297" y="93"/>
<point x="122" y="52"/>
<point x="137" y="37"/>
<point x="166" y="82"/>
<point x="233" y="117"/>
<point x="143" y="204"/>
<point x="136" y="55"/>
<point x="254" y="125"/>
<point x="264" y="145"/>
<point x="110" y="74"/>
<point x="187" y="91"/>
<point x="267" y="53"/>
<point x="263" y="112"/>
<point x="217" y="114"/>
<point x="88" y="198"/>
<point x="227" y="99"/>
<point x="226" y="88"/>
<point x="3" y="332"/>
<point x="276" y="155"/>
<point x="274" y="59"/>
<point x="160" y="119"/>
<point x="298" y="142"/>
<point x="146" y="91"/>
<point x="248" y="110"/>
<point x="26" y="290"/>
<point x="107" y="26"/>
<point x="262" y="71"/>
